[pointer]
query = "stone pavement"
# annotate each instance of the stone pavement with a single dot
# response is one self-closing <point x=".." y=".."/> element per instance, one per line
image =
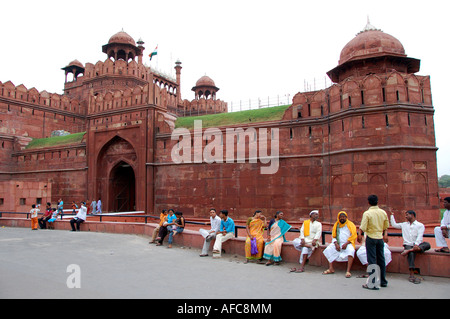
<point x="40" y="264"/>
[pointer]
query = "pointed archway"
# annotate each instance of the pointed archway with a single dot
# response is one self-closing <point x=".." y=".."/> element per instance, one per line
<point x="122" y="188"/>
<point x="117" y="175"/>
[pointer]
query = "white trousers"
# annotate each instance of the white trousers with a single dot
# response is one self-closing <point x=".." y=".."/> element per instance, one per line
<point x="332" y="254"/>
<point x="208" y="238"/>
<point x="439" y="237"/>
<point x="217" y="250"/>
<point x="362" y="255"/>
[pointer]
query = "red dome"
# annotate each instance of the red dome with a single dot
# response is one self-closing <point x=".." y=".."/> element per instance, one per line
<point x="370" y="43"/>
<point x="76" y="63"/>
<point x="205" y="81"/>
<point x="122" y="37"/>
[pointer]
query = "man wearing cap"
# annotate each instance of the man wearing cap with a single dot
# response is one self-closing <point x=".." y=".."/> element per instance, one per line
<point x="342" y="247"/>
<point x="79" y="218"/>
<point x="309" y="238"/>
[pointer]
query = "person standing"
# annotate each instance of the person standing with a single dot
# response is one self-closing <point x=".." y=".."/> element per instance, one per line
<point x="79" y="218"/>
<point x="34" y="217"/>
<point x="442" y="232"/>
<point x="60" y="206"/>
<point x="94" y="206"/>
<point x="412" y="232"/>
<point x="226" y="232"/>
<point x="99" y="206"/>
<point x="209" y="235"/>
<point x="375" y="224"/>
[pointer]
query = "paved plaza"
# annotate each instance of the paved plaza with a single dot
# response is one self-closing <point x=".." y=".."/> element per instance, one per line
<point x="44" y="263"/>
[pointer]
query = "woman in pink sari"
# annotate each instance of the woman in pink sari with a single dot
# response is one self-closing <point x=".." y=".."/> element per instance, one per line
<point x="276" y="238"/>
<point x="255" y="231"/>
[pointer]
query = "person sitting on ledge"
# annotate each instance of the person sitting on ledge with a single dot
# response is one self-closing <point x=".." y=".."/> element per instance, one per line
<point x="342" y="247"/>
<point x="162" y="219"/>
<point x="177" y="228"/>
<point x="308" y="241"/>
<point x="442" y="232"/>
<point x="254" y="243"/>
<point x="209" y="235"/>
<point x="225" y="233"/>
<point x="79" y="218"/>
<point x="412" y="232"/>
<point x="47" y="215"/>
<point x="52" y="220"/>
<point x="166" y="227"/>
<point x="276" y="237"/>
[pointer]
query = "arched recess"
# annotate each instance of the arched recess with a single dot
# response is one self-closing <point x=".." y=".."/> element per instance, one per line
<point x="116" y="166"/>
<point x="122" y="187"/>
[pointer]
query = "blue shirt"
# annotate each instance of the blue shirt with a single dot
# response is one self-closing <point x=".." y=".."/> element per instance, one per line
<point x="228" y="225"/>
<point x="171" y="218"/>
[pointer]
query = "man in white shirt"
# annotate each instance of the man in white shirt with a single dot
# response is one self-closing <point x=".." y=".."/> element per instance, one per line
<point x="210" y="234"/>
<point x="309" y="239"/>
<point x="412" y="232"/>
<point x="80" y="217"/>
<point x="442" y="232"/>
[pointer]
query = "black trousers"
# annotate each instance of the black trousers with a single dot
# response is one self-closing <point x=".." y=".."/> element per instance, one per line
<point x="375" y="255"/>
<point x="77" y="221"/>
<point x="43" y="222"/>
<point x="162" y="233"/>
<point x="412" y="255"/>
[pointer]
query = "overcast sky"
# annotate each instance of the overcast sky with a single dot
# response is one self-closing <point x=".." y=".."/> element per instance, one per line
<point x="251" y="49"/>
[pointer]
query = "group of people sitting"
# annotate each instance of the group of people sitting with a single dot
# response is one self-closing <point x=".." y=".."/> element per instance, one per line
<point x="371" y="235"/>
<point x="170" y="222"/>
<point x="50" y="215"/>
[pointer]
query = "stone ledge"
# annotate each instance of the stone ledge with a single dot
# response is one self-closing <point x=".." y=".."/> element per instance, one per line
<point x="430" y="263"/>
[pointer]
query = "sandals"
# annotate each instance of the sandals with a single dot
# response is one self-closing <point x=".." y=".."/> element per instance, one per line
<point x="367" y="287"/>
<point x="442" y="250"/>
<point x="299" y="270"/>
<point x="327" y="272"/>
<point x="414" y="280"/>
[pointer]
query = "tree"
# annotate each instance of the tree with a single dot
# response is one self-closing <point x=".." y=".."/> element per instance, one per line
<point x="444" y="181"/>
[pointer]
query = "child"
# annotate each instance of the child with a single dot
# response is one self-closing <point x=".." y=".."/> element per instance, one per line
<point x="34" y="217"/>
<point x="74" y="207"/>
<point x="53" y="219"/>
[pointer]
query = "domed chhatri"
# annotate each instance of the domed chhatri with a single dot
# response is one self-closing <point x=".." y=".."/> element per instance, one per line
<point x="379" y="51"/>
<point x="205" y="88"/>
<point x="121" y="46"/>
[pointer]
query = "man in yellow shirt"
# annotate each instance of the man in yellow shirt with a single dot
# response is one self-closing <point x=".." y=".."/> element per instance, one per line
<point x="375" y="223"/>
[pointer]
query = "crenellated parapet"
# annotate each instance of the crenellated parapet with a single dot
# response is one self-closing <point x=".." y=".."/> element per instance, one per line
<point x="369" y="91"/>
<point x="32" y="97"/>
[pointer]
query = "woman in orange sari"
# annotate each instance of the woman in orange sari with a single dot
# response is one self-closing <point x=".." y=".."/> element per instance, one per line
<point x="255" y="230"/>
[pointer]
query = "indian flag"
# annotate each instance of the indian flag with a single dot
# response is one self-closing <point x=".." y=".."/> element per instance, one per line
<point x="155" y="52"/>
